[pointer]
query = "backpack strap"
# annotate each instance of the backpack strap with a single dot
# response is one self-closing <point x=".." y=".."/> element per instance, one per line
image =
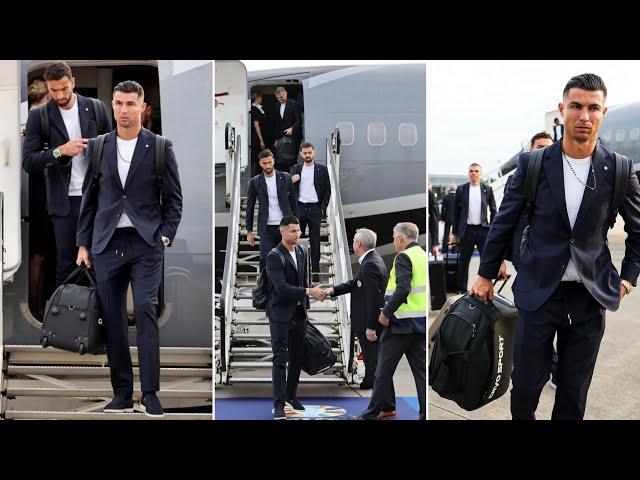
<point x="96" y="156"/>
<point x="44" y="125"/>
<point x="533" y="174"/>
<point x="160" y="160"/>
<point x="619" y="186"/>
<point x="277" y="250"/>
<point x="99" y="112"/>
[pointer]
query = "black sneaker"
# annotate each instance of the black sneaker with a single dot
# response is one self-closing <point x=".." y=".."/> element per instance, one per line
<point x="278" y="413"/>
<point x="316" y="278"/>
<point x="119" y="405"/>
<point x="295" y="404"/>
<point x="151" y="406"/>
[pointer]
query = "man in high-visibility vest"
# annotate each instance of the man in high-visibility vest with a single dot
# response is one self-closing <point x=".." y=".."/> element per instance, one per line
<point x="405" y="318"/>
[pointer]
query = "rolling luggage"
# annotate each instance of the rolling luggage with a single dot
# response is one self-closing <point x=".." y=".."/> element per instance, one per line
<point x="472" y="355"/>
<point x="72" y="319"/>
<point x="451" y="268"/>
<point x="318" y="355"/>
<point x="437" y="284"/>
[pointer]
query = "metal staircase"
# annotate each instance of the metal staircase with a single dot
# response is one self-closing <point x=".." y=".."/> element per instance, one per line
<point x="244" y="338"/>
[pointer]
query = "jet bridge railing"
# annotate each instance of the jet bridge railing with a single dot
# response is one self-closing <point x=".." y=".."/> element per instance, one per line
<point x="341" y="256"/>
<point x="230" y="260"/>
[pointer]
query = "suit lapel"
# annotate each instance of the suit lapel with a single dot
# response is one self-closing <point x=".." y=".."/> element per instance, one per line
<point x="599" y="158"/>
<point x="483" y="204"/>
<point x="262" y="185"/>
<point x="85" y="116"/>
<point x="143" y="145"/>
<point x="56" y="119"/>
<point x="301" y="265"/>
<point x="552" y="164"/>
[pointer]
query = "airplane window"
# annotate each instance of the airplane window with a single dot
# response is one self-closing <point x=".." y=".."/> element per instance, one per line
<point x="620" y="135"/>
<point x="347" y="133"/>
<point x="407" y="134"/>
<point x="606" y="136"/>
<point x="377" y="134"/>
<point x="634" y="134"/>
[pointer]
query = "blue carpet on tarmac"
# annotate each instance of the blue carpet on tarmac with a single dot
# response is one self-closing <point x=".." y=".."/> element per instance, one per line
<point x="317" y="408"/>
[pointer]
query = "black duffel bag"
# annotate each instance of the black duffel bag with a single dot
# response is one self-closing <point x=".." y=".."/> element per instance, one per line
<point x="286" y="151"/>
<point x="72" y="319"/>
<point x="318" y="355"/>
<point x="472" y="356"/>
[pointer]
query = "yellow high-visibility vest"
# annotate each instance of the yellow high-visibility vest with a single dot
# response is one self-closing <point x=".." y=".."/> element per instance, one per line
<point x="416" y="304"/>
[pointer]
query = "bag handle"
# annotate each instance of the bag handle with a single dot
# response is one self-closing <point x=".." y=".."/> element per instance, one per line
<point x="77" y="275"/>
<point x="503" y="283"/>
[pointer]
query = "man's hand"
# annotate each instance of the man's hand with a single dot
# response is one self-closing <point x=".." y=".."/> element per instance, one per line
<point x="262" y="146"/>
<point x="73" y="147"/>
<point x="83" y="257"/>
<point x="383" y="320"/>
<point x="623" y="291"/>
<point x="435" y="250"/>
<point x="251" y="239"/>
<point x="371" y="335"/>
<point x="295" y="178"/>
<point x="502" y="273"/>
<point x="317" y="292"/>
<point x="328" y="292"/>
<point x="289" y="131"/>
<point x="482" y="288"/>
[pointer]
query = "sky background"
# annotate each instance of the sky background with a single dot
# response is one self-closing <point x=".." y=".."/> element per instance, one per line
<point x="481" y="111"/>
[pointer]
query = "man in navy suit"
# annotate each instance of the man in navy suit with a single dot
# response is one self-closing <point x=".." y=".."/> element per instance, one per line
<point x="274" y="190"/>
<point x="59" y="153"/>
<point x="127" y="226"/>
<point x="470" y="220"/>
<point x="565" y="278"/>
<point x="313" y="190"/>
<point x="448" y="207"/>
<point x="287" y="267"/>
<point x="288" y="123"/>
<point x="558" y="130"/>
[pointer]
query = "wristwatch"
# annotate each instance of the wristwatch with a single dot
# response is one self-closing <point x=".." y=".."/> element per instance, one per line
<point x="56" y="153"/>
<point x="166" y="241"/>
<point x="627" y="284"/>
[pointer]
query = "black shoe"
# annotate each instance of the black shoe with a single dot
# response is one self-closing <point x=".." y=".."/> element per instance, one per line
<point x="295" y="404"/>
<point x="278" y="413"/>
<point x="119" y="405"/>
<point x="366" y="385"/>
<point x="151" y="406"/>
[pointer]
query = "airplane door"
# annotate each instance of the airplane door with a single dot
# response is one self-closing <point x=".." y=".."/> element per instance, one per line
<point x="232" y="108"/>
<point x="10" y="164"/>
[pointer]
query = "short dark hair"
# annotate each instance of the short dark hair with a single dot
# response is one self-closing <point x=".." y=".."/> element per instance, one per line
<point x="266" y="153"/>
<point x="586" y="81"/>
<point x="540" y="135"/>
<point x="289" y="220"/>
<point x="476" y="165"/>
<point x="58" y="70"/>
<point x="307" y="145"/>
<point x="129" y="86"/>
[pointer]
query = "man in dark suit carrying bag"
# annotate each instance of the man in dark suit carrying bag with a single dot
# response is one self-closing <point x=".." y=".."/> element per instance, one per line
<point x="565" y="278"/>
<point x="287" y="267"/>
<point x="288" y="125"/>
<point x="130" y="213"/>
<point x="367" y="297"/>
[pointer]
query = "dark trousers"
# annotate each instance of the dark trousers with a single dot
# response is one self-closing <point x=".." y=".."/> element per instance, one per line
<point x="445" y="236"/>
<point x="475" y="236"/>
<point x="392" y="347"/>
<point x="311" y="214"/>
<point x="269" y="239"/>
<point x="579" y="321"/>
<point x="64" y="229"/>
<point x="287" y="343"/>
<point x="370" y="352"/>
<point x="128" y="258"/>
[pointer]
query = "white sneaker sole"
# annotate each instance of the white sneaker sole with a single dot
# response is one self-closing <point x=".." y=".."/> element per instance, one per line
<point x="278" y="418"/>
<point x="118" y="410"/>
<point x="142" y="409"/>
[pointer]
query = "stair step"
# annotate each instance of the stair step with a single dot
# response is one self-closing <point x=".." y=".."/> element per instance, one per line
<point x="249" y="297"/>
<point x="255" y="310"/>
<point x="97" y="393"/>
<point x="328" y="323"/>
<point x="255" y="274"/>
<point x="259" y="350"/>
<point x="315" y="379"/>
<point x="100" y="371"/>
<point x="254" y="252"/>
<point x="263" y="365"/>
<point x="257" y="263"/>
<point x="163" y="350"/>
<point x="55" y="415"/>
<point x="266" y="336"/>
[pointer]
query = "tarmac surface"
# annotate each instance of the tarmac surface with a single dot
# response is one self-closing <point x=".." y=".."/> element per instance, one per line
<point x="615" y="388"/>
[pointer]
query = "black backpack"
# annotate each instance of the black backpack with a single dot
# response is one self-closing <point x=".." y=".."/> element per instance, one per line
<point x="98" y="110"/>
<point x="286" y="149"/>
<point x="472" y="356"/>
<point x="531" y="188"/>
<point x="318" y="355"/>
<point x="260" y="293"/>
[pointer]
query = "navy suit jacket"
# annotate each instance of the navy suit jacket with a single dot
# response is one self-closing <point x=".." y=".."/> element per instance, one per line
<point x="433" y="219"/>
<point x="367" y="293"/>
<point x="258" y="188"/>
<point x="292" y="118"/>
<point x="104" y="201"/>
<point x="552" y="242"/>
<point x="448" y="207"/>
<point x="57" y="172"/>
<point x="289" y="284"/>
<point x="461" y="210"/>
<point x="320" y="181"/>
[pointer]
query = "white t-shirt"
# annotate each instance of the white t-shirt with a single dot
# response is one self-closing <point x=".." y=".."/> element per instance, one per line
<point x="307" y="188"/>
<point x="295" y="259"/>
<point x="282" y="105"/>
<point x="275" y="214"/>
<point x="71" y="121"/>
<point x="475" y="206"/>
<point x="558" y="131"/>
<point x="573" y="193"/>
<point x="125" y="155"/>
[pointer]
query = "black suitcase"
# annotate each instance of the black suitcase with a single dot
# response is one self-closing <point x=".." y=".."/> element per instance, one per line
<point x="452" y="266"/>
<point x="472" y="356"/>
<point x="437" y="284"/>
<point x="318" y="355"/>
<point x="72" y="319"/>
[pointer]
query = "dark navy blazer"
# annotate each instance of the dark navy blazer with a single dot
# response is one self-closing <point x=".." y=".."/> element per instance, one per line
<point x="552" y="242"/>
<point x="104" y="202"/>
<point x="57" y="172"/>
<point x="289" y="284"/>
<point x="258" y="188"/>
<point x="461" y="208"/>
<point x="320" y="181"/>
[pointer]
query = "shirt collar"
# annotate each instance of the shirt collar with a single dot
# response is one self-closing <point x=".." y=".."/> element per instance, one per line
<point x="364" y="255"/>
